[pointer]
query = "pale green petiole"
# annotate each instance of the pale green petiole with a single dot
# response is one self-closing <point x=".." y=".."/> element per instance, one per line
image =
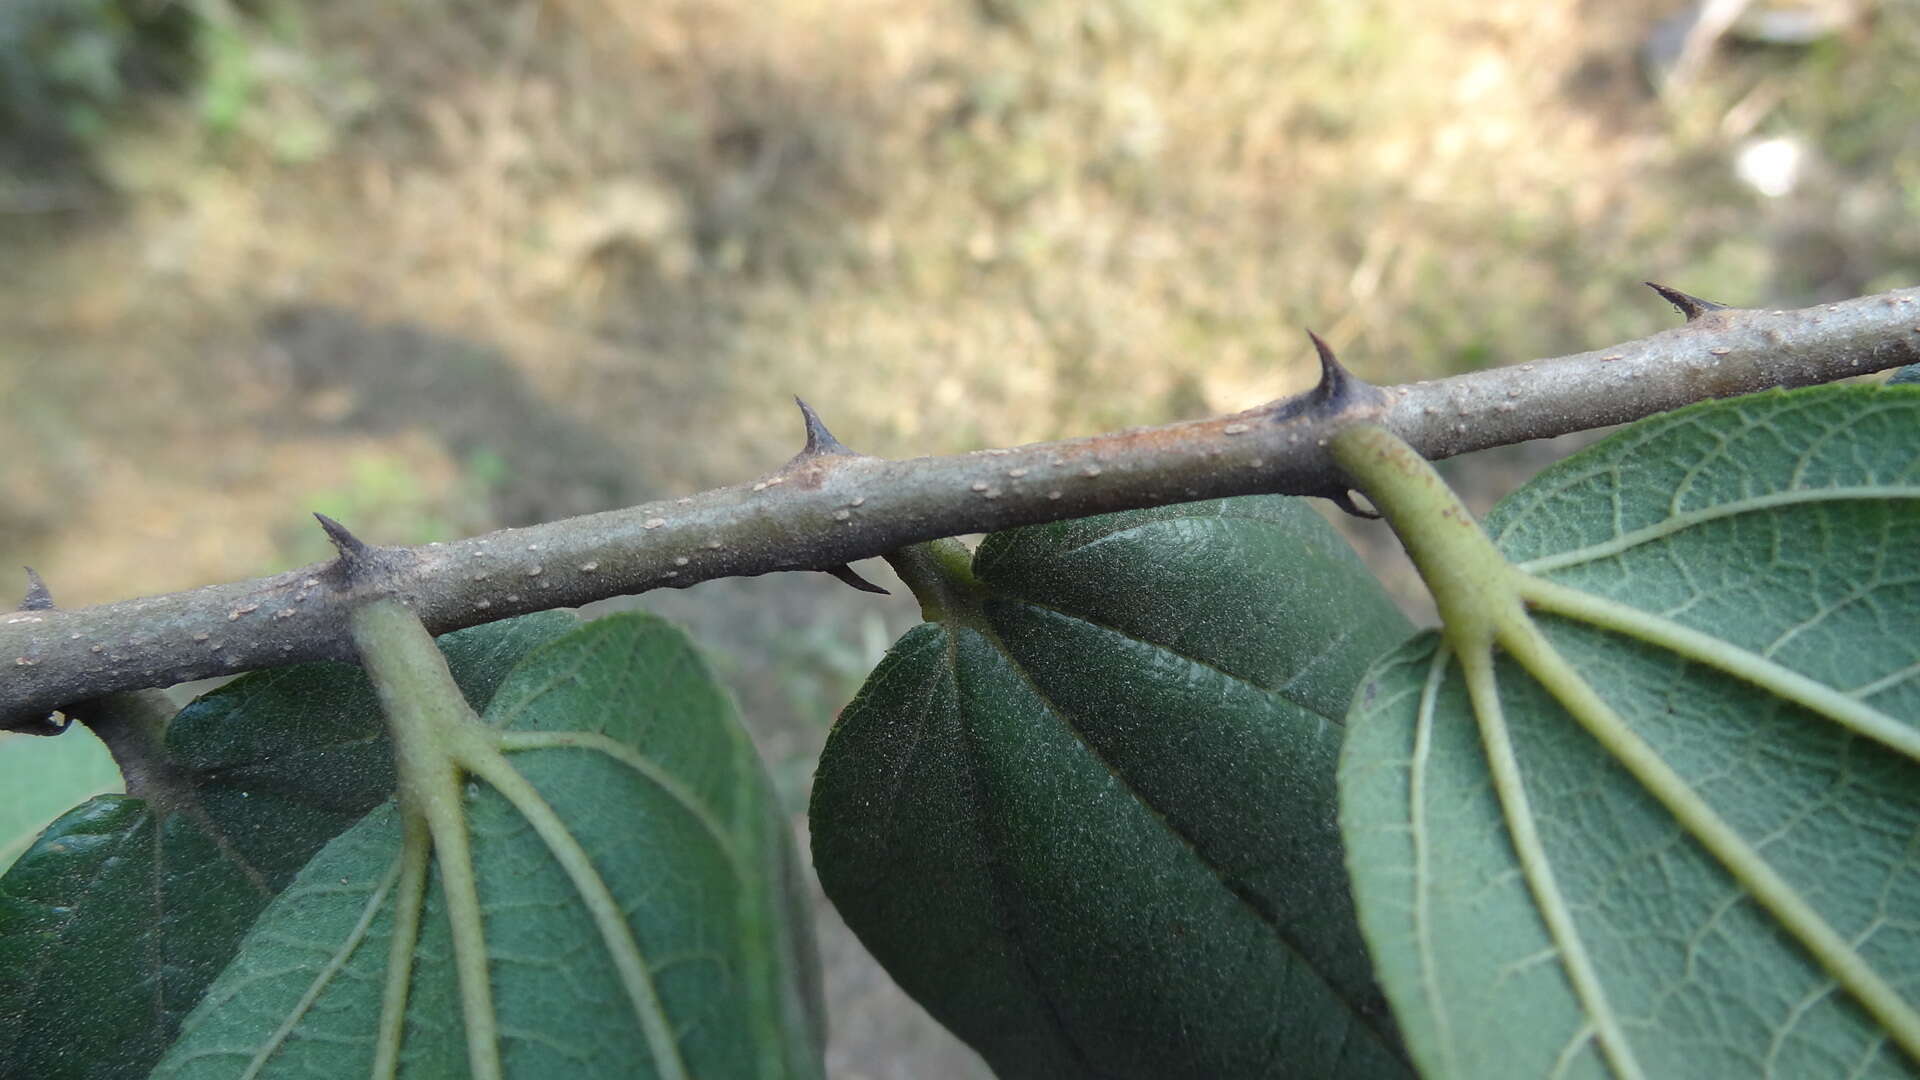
<point x="1471" y="585"/>
<point x="1483" y="601"/>
<point x="433" y="730"/>
<point x="438" y="743"/>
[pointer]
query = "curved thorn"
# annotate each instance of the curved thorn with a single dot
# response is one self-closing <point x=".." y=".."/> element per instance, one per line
<point x="351" y="548"/>
<point x="820" y="441"/>
<point x="1332" y="375"/>
<point x="1691" y="306"/>
<point x="38" y="597"/>
<point x="1344" y="500"/>
<point x="847" y="574"/>
<point x="1332" y="392"/>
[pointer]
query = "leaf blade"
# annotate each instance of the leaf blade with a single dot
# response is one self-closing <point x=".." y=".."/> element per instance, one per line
<point x="1084" y="824"/>
<point x="278" y="763"/>
<point x="558" y="995"/>
<point x="43" y="778"/>
<point x="1750" y="521"/>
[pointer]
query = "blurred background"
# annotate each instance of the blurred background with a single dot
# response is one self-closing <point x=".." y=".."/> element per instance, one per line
<point x="436" y="267"/>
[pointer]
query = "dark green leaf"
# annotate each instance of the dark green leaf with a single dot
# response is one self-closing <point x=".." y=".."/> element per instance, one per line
<point x="1785" y="530"/>
<point x="1089" y="824"/>
<point x="114" y="922"/>
<point x="45" y="777"/>
<point x="693" y="848"/>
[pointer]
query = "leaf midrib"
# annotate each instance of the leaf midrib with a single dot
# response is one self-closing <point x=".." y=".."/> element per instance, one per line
<point x="1238" y="891"/>
<point x="1279" y="692"/>
<point x="995" y="870"/>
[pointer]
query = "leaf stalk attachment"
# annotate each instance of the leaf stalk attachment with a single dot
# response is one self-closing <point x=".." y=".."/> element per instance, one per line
<point x="438" y="743"/>
<point x="939" y="573"/>
<point x="1484" y="601"/>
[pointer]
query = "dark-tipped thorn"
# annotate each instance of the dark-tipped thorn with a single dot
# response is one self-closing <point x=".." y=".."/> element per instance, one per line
<point x="846" y="574"/>
<point x="1330" y="393"/>
<point x="38" y="597"/>
<point x="351" y="548"/>
<point x="1331" y="373"/>
<point x="1344" y="500"/>
<point x="1691" y="306"/>
<point x="819" y="439"/>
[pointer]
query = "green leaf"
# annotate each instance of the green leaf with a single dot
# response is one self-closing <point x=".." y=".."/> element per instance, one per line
<point x="1087" y="819"/>
<point x="43" y="778"/>
<point x="113" y="923"/>
<point x="1704" y="860"/>
<point x="625" y="734"/>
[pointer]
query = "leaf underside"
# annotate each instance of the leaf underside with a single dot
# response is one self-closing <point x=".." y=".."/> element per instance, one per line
<point x="1786" y="528"/>
<point x="685" y="832"/>
<point x="1089" y="825"/>
<point x="114" y="922"/>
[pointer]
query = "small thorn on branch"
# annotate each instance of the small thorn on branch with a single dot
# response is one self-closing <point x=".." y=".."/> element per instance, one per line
<point x="1335" y="387"/>
<point x="38" y="597"/>
<point x="1332" y="375"/>
<point x="847" y="574"/>
<point x="1691" y="306"/>
<point x="353" y="551"/>
<point x="820" y="441"/>
<point x="361" y="563"/>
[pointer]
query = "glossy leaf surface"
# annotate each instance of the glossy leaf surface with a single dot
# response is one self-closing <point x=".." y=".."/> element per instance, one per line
<point x="1088" y="820"/>
<point x="45" y="777"/>
<point x="1776" y="535"/>
<point x="668" y="799"/>
<point x="113" y="923"/>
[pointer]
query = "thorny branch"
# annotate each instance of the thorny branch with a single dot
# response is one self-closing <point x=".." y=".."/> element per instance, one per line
<point x="829" y="505"/>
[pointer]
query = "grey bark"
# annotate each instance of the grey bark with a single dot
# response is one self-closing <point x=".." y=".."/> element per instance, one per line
<point x="829" y="506"/>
